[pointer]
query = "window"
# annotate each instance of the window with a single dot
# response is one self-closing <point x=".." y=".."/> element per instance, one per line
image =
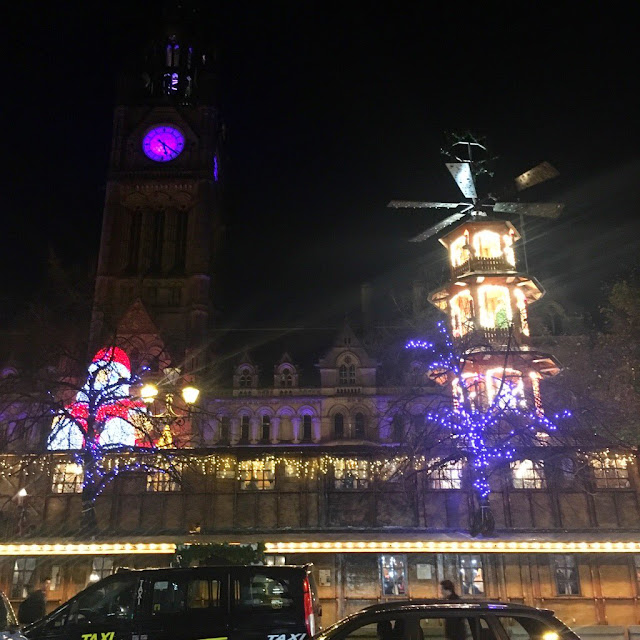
<point x="352" y="374"/>
<point x="527" y="474"/>
<point x="462" y="312"/>
<point x="351" y="474"/>
<point x="226" y="468"/>
<point x="359" y="426"/>
<point x="104" y="603"/>
<point x="180" y="595"/>
<point x="459" y="250"/>
<point x="257" y="474"/>
<point x="471" y="575"/>
<point x="286" y="378"/>
<point x="456" y="627"/>
<point x="397" y="428"/>
<point x="67" y="478"/>
<point x="264" y="594"/>
<point x="506" y="388"/>
<point x="23" y="569"/>
<point x="566" y="573"/>
<point x="338" y="426"/>
<point x="306" y="429"/>
<point x="343" y="374"/>
<point x="446" y="475"/>
<point x="101" y="567"/>
<point x="610" y="472"/>
<point x="266" y="428"/>
<point x="487" y="244"/>
<point x="274" y="560"/>
<point x="244" y="428"/>
<point x="495" y="306"/>
<point x="245" y="378"/>
<point x="525" y="628"/>
<point x="224" y="428"/>
<point x="393" y="574"/>
<point x="167" y="480"/>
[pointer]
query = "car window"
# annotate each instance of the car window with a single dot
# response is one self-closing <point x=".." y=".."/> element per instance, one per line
<point x="104" y="602"/>
<point x="259" y="592"/>
<point x="181" y="594"/>
<point x="385" y="629"/>
<point x="454" y="627"/>
<point x="526" y="628"/>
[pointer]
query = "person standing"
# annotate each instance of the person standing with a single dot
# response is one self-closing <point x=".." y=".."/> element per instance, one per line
<point x="34" y="605"/>
<point x="454" y="628"/>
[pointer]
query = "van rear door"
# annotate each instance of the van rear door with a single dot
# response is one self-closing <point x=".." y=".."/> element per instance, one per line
<point x="267" y="603"/>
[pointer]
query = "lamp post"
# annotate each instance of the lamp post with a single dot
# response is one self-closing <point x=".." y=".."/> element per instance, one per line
<point x="19" y="498"/>
<point x="161" y="403"/>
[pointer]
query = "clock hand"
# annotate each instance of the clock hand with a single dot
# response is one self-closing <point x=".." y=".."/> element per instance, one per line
<point x="168" y="147"/>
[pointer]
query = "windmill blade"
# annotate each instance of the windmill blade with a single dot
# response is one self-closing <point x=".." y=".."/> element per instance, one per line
<point x="410" y="204"/>
<point x="540" y="209"/>
<point x="540" y="173"/>
<point x="431" y="231"/>
<point x="461" y="172"/>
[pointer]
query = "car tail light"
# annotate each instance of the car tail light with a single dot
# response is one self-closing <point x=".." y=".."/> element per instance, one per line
<point x="309" y="616"/>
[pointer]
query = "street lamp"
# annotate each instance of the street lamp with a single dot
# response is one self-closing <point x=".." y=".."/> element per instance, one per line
<point x="160" y="401"/>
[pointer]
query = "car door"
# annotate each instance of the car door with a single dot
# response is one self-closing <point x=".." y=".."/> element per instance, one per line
<point x="104" y="611"/>
<point x="374" y="626"/>
<point x="185" y="605"/>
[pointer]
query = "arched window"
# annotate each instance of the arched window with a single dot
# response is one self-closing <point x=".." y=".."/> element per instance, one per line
<point x="462" y="312"/>
<point x="359" y="430"/>
<point x="224" y="429"/>
<point x="286" y="378"/>
<point x="306" y="429"/>
<point x="266" y="428"/>
<point x="245" y="378"/>
<point x="244" y="429"/>
<point x="338" y="426"/>
<point x="343" y="374"/>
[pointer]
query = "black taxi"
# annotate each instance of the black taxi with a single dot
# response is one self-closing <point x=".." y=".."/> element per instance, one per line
<point x="232" y="603"/>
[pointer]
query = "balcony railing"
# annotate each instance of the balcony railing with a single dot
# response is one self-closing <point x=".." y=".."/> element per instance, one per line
<point x="485" y="336"/>
<point x="488" y="265"/>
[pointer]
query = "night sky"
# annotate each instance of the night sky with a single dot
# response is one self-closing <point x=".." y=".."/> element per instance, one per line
<point x="332" y="110"/>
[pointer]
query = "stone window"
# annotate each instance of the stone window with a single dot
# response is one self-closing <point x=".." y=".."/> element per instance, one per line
<point x="306" y="429"/>
<point x="244" y="428"/>
<point x="338" y="426"/>
<point x="266" y="428"/>
<point x="359" y="432"/>
<point x="471" y="574"/>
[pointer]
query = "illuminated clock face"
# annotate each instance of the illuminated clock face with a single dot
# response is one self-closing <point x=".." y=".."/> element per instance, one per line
<point x="163" y="143"/>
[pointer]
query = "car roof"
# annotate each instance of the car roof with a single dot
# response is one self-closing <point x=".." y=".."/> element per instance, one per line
<point x="269" y="567"/>
<point x="432" y="604"/>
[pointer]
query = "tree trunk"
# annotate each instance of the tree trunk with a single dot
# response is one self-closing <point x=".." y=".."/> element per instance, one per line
<point x="88" y="521"/>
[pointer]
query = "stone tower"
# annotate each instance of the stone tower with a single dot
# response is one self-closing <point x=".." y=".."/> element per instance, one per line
<point x="162" y="214"/>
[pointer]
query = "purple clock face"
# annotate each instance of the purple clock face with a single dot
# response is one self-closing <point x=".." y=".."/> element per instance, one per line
<point x="163" y="143"/>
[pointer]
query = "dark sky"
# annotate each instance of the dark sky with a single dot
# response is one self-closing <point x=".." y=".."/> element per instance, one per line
<point x="332" y="110"/>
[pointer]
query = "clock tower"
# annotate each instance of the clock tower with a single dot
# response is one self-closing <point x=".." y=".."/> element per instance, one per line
<point x="162" y="214"/>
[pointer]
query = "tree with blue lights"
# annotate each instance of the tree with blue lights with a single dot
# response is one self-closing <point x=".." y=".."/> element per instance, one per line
<point x="486" y="435"/>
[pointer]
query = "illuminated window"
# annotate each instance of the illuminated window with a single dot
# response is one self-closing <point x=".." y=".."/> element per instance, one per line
<point x="338" y="426"/>
<point x="23" y="569"/>
<point x="566" y="575"/>
<point x="257" y="474"/>
<point x="506" y="388"/>
<point x="471" y="574"/>
<point x="462" y="312"/>
<point x="487" y="244"/>
<point x="527" y="474"/>
<point x="67" y="478"/>
<point x="459" y="250"/>
<point x="160" y="480"/>
<point x="226" y="469"/>
<point x="447" y="475"/>
<point x="393" y="574"/>
<point x="610" y="472"/>
<point x="271" y="561"/>
<point x="101" y="567"/>
<point x="495" y="306"/>
<point x="474" y="390"/>
<point x="351" y="474"/>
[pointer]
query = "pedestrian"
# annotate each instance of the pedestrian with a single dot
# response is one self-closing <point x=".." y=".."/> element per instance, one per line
<point x="454" y="627"/>
<point x="34" y="605"/>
